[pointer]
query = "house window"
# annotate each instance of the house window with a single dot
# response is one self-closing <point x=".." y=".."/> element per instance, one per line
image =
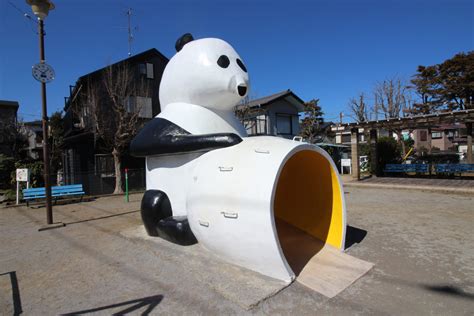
<point x="436" y="135"/>
<point x="423" y="136"/>
<point x="284" y="124"/>
<point x="142" y="69"/>
<point x="104" y="165"/>
<point x="144" y="105"/>
<point x="256" y="125"/>
<point x="141" y="104"/>
<point x="130" y="104"/>
<point x="346" y="138"/>
<point x="147" y="70"/>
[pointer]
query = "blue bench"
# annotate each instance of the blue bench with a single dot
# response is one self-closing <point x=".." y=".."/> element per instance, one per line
<point x="56" y="192"/>
<point x="403" y="168"/>
<point x="455" y="168"/>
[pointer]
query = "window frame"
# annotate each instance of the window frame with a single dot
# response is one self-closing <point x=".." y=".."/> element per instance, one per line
<point x="288" y="115"/>
<point x="423" y="136"/>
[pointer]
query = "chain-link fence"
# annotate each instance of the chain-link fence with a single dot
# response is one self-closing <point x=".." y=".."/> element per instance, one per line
<point x="100" y="183"/>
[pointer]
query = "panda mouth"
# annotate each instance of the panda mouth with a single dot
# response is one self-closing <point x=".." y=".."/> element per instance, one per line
<point x="242" y="90"/>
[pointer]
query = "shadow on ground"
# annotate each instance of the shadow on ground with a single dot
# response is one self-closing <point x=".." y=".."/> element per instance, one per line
<point x="354" y="235"/>
<point x="66" y="201"/>
<point x="450" y="290"/>
<point x="151" y="302"/>
<point x="16" y="298"/>
<point x="102" y="217"/>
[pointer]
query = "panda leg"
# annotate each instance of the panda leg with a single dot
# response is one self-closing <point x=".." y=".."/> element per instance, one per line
<point x="159" y="221"/>
<point x="155" y="207"/>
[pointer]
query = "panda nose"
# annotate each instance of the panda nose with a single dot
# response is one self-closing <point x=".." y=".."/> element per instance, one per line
<point x="242" y="89"/>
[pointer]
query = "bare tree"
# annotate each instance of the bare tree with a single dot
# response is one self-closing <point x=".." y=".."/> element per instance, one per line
<point x="249" y="116"/>
<point x="392" y="98"/>
<point x="113" y="107"/>
<point x="359" y="109"/>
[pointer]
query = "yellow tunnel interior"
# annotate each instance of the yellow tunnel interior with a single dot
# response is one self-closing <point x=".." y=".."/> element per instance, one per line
<point x="308" y="207"/>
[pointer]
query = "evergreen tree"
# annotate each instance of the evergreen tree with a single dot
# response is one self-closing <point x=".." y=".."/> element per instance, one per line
<point x="311" y="123"/>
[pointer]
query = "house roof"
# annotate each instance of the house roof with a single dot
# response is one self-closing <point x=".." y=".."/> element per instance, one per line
<point x="35" y="126"/>
<point x="153" y="52"/>
<point x="34" y="123"/>
<point x="6" y="103"/>
<point x="418" y="121"/>
<point x="148" y="53"/>
<point x="443" y="127"/>
<point x="288" y="95"/>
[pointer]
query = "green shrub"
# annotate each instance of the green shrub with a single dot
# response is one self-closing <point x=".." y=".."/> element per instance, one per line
<point x="388" y="151"/>
<point x="10" y="195"/>
<point x="409" y="143"/>
<point x="7" y="165"/>
<point x="36" y="172"/>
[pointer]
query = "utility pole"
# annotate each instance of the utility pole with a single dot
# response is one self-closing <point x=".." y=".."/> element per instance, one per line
<point x="44" y="73"/>
<point x="340" y="117"/>
<point x="376" y="106"/>
<point x="47" y="176"/>
<point x="130" y="34"/>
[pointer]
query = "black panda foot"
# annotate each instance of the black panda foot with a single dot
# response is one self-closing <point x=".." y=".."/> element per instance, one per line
<point x="176" y="229"/>
<point x="157" y="217"/>
<point x="155" y="206"/>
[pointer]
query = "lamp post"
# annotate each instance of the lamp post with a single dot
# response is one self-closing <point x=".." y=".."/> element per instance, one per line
<point x="44" y="73"/>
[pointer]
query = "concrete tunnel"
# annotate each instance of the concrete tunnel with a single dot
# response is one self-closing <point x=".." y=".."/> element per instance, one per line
<point x="267" y="204"/>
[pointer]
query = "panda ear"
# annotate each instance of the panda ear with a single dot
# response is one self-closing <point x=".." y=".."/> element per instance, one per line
<point x="183" y="40"/>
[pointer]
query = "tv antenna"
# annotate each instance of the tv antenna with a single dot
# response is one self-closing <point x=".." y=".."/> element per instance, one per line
<point x="130" y="31"/>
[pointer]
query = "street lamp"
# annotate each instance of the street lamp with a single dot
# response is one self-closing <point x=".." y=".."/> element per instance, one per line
<point x="44" y="73"/>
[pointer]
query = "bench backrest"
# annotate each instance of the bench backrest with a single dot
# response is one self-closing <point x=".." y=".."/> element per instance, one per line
<point x="454" y="168"/>
<point x="406" y="167"/>
<point x="73" y="188"/>
<point x="63" y="189"/>
<point x="33" y="192"/>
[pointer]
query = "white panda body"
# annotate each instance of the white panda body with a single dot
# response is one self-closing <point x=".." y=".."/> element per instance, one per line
<point x="198" y="95"/>
<point x="201" y="120"/>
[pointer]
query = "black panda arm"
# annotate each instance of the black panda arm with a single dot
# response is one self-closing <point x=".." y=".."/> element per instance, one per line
<point x="160" y="136"/>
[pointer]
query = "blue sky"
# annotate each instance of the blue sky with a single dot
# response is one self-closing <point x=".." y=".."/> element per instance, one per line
<point x="331" y="50"/>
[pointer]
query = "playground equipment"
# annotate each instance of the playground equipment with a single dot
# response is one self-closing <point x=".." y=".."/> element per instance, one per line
<point x="243" y="198"/>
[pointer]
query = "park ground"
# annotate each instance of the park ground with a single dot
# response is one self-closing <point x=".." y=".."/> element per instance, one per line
<point x="420" y="242"/>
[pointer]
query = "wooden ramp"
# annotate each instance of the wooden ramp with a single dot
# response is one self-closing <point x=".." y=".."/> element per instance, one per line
<point x="320" y="267"/>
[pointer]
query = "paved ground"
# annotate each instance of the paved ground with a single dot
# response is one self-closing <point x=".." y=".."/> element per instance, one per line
<point x="461" y="186"/>
<point x="420" y="242"/>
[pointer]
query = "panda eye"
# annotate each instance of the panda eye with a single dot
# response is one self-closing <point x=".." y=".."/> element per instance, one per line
<point x="223" y="61"/>
<point x="241" y="65"/>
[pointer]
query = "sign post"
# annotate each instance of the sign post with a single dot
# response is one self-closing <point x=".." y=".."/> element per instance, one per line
<point x="126" y="185"/>
<point x="346" y="163"/>
<point x="22" y="175"/>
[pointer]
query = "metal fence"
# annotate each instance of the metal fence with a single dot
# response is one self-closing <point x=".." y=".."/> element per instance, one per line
<point x="101" y="183"/>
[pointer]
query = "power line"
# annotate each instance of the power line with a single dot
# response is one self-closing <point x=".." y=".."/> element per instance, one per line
<point x="29" y="114"/>
<point x="26" y="15"/>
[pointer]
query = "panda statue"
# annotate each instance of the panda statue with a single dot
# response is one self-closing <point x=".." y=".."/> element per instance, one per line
<point x="199" y="88"/>
<point x="208" y="182"/>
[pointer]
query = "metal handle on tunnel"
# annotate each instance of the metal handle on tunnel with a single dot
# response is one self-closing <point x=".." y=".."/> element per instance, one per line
<point x="230" y="214"/>
<point x="224" y="169"/>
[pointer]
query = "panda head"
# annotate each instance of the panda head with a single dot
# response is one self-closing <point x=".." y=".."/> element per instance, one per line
<point x="207" y="72"/>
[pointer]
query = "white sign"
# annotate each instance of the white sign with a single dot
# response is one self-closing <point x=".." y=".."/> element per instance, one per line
<point x="345" y="162"/>
<point x="22" y="175"/>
